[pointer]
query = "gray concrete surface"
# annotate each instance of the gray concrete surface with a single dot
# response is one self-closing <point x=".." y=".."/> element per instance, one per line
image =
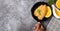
<point x="15" y="15"/>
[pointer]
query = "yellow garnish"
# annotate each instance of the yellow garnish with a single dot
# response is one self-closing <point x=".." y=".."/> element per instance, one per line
<point x="58" y="4"/>
<point x="57" y="12"/>
<point x="49" y="13"/>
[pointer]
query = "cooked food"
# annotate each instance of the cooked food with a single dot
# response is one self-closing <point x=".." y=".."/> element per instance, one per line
<point x="58" y="4"/>
<point x="40" y="12"/>
<point x="49" y="13"/>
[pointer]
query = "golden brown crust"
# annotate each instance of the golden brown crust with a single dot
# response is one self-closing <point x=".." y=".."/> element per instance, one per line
<point x="43" y="10"/>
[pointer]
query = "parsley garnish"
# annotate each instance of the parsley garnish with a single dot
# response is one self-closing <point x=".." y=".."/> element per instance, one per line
<point x="39" y="11"/>
<point x="50" y="2"/>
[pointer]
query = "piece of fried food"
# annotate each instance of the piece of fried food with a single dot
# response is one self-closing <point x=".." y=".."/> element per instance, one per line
<point x="43" y="12"/>
<point x="40" y="12"/>
<point x="37" y="12"/>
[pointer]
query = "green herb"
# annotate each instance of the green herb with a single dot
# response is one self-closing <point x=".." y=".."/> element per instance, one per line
<point x="51" y="2"/>
<point x="39" y="11"/>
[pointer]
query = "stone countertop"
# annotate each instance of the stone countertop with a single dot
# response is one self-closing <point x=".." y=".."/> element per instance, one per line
<point x="15" y="15"/>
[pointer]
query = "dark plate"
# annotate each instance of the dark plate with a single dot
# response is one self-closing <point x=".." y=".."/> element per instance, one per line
<point x="36" y="6"/>
<point x="44" y="19"/>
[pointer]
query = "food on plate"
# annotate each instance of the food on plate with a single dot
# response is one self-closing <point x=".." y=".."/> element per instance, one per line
<point x="43" y="11"/>
<point x="49" y="13"/>
<point x="58" y="4"/>
<point x="40" y="12"/>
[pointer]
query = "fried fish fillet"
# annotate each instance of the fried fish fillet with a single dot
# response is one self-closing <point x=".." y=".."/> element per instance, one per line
<point x="43" y="12"/>
<point x="40" y="12"/>
<point x="36" y="11"/>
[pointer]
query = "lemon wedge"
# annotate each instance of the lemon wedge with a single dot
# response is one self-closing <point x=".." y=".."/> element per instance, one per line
<point x="49" y="13"/>
<point x="58" y="4"/>
<point x="56" y="12"/>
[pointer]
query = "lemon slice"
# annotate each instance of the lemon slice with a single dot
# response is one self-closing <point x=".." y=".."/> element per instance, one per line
<point x="58" y="4"/>
<point x="56" y="12"/>
<point x="48" y="12"/>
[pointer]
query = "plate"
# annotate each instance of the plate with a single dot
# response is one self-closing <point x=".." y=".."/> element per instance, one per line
<point x="36" y="6"/>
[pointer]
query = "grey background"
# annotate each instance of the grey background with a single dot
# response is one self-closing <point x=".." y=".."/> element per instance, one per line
<point x="54" y="25"/>
<point x="15" y="15"/>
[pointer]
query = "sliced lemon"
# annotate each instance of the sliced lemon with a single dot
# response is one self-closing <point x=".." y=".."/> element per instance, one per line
<point x="57" y="12"/>
<point x="58" y="4"/>
<point x="48" y="12"/>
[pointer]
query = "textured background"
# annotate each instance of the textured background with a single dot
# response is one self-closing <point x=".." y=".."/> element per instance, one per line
<point x="15" y="15"/>
<point x="54" y="24"/>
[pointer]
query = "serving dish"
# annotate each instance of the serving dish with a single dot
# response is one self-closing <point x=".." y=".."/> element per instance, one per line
<point x="36" y="6"/>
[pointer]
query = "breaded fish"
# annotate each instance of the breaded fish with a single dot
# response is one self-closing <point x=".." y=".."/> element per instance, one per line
<point x="36" y="13"/>
<point x="40" y="12"/>
<point x="43" y="12"/>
